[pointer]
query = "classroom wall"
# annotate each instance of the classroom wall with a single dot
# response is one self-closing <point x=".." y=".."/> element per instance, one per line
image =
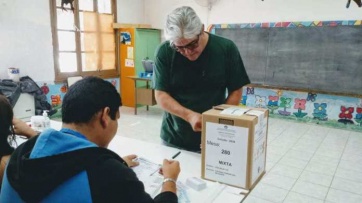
<point x="26" y="39"/>
<point x="283" y="10"/>
<point x="323" y="109"/>
<point x="131" y="11"/>
<point x="251" y="11"/>
<point x="330" y="110"/>
<point x="26" y="42"/>
<point x="56" y="92"/>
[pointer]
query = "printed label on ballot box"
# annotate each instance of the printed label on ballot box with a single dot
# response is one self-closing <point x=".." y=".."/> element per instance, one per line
<point x="226" y="153"/>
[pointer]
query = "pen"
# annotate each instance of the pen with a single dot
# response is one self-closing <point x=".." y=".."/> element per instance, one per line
<point x="173" y="157"/>
<point x="178" y="153"/>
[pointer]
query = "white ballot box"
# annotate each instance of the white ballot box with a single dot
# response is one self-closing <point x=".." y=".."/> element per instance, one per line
<point x="234" y="141"/>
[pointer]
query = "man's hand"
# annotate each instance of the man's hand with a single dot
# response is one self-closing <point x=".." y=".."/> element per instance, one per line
<point x="22" y="129"/>
<point x="195" y="121"/>
<point x="130" y="160"/>
<point x="170" y="105"/>
<point x="170" y="169"/>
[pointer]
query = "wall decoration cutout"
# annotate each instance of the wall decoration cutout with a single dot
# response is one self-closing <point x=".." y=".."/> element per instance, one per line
<point x="125" y="38"/>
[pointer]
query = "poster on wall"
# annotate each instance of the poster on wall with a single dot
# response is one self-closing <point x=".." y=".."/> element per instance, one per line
<point x="130" y="52"/>
<point x="125" y="38"/>
<point x="129" y="63"/>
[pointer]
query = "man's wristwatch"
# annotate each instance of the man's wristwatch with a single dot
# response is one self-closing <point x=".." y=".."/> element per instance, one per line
<point x="169" y="180"/>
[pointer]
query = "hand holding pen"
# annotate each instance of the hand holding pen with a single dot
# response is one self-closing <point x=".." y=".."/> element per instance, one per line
<point x="170" y="168"/>
<point x="170" y="171"/>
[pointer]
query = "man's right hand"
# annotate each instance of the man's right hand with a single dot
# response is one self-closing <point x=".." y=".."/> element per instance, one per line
<point x="171" y="169"/>
<point x="195" y="121"/>
<point x="170" y="105"/>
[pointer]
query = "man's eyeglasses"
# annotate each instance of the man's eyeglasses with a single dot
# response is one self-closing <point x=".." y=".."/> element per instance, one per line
<point x="190" y="46"/>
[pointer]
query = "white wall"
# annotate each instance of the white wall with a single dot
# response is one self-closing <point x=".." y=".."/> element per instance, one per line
<point x="157" y="10"/>
<point x="25" y="31"/>
<point x="26" y="39"/>
<point x="246" y="11"/>
<point x="252" y="11"/>
<point x="130" y="11"/>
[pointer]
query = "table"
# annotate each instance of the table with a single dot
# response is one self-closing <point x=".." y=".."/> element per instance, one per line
<point x="190" y="163"/>
<point x="143" y="95"/>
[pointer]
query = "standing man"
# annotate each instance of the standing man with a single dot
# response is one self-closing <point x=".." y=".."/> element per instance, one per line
<point x="73" y="164"/>
<point x="193" y="71"/>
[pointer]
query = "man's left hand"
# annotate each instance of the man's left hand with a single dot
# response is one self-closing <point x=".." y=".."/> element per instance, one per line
<point x="130" y="160"/>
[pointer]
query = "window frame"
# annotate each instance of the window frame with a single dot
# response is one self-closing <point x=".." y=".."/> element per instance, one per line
<point x="62" y="76"/>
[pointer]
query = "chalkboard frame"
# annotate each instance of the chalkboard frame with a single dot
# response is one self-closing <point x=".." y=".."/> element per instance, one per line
<point x="304" y="25"/>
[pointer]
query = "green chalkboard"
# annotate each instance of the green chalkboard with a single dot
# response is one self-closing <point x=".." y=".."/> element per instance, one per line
<point x="324" y="58"/>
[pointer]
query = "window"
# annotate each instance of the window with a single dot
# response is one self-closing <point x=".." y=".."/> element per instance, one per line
<point x="84" y="42"/>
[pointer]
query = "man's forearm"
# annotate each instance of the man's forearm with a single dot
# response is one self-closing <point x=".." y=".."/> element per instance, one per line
<point x="234" y="97"/>
<point x="170" y="105"/>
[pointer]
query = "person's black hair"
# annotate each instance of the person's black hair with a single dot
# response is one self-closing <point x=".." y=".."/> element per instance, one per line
<point x="87" y="97"/>
<point x="6" y="123"/>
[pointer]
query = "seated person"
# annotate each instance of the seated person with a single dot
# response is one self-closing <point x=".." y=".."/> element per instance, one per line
<point x="73" y="164"/>
<point x="8" y="131"/>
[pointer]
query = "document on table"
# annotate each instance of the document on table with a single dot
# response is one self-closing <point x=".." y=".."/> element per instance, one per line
<point x="144" y="170"/>
<point x="152" y="180"/>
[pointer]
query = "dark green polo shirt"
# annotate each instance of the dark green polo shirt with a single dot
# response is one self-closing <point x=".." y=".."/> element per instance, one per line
<point x="197" y="85"/>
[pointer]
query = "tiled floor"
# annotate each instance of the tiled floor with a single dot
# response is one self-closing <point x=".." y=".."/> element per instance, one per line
<point x="305" y="162"/>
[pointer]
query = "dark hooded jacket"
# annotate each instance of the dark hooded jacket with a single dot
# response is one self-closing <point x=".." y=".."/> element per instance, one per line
<point x="63" y="166"/>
